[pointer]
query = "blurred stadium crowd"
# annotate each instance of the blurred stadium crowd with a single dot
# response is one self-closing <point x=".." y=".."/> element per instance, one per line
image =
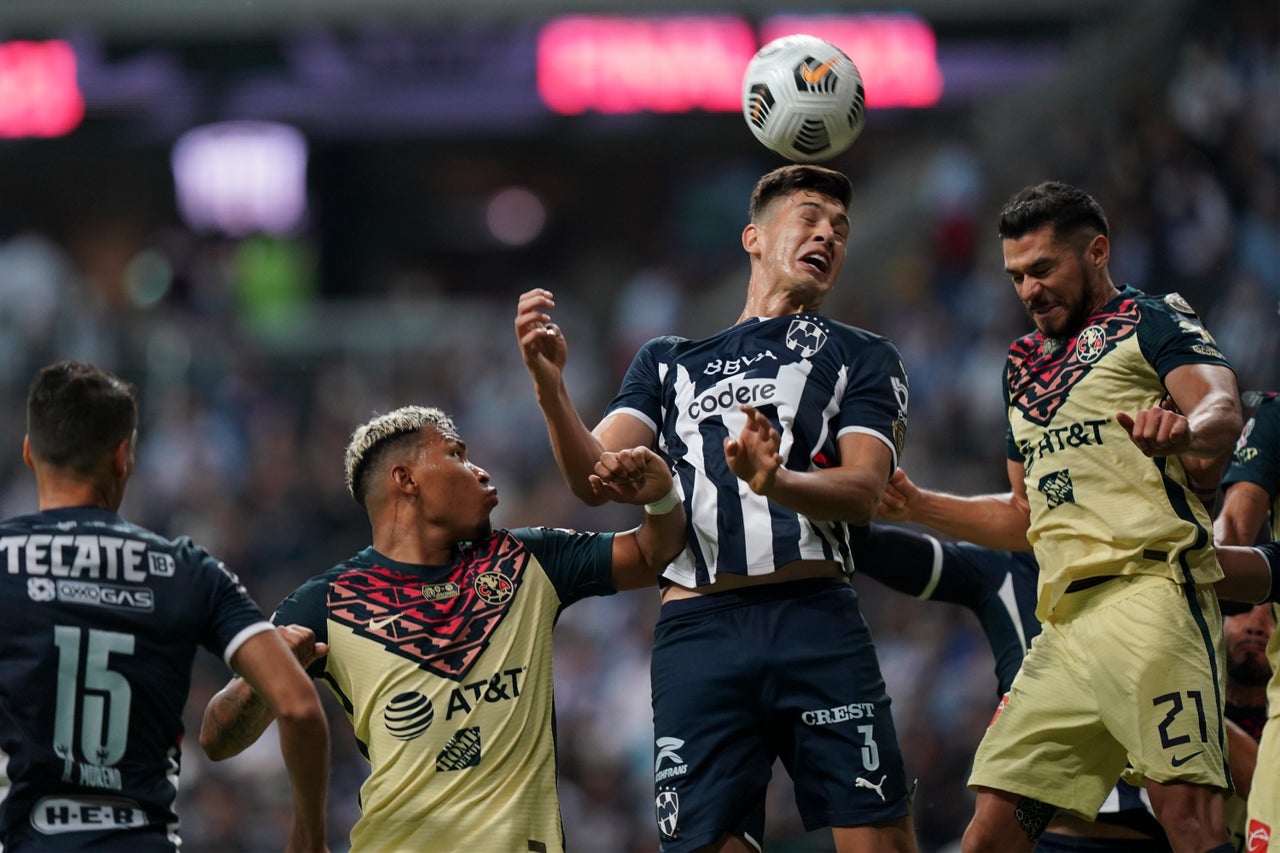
<point x="249" y="395"/>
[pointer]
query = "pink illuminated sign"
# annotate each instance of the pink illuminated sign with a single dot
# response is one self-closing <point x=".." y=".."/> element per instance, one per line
<point x="627" y="65"/>
<point x="39" y="95"/>
<point x="619" y="64"/>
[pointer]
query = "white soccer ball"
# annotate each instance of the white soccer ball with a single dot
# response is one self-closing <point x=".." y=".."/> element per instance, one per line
<point x="802" y="98"/>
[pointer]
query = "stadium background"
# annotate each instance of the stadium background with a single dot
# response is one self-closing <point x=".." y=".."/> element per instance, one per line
<point x="438" y="186"/>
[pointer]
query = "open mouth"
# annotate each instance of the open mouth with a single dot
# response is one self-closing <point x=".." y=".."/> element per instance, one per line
<point x="817" y="261"/>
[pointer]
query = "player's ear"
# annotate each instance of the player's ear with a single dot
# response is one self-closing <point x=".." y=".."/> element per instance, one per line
<point x="1099" y="252"/>
<point x="26" y="452"/>
<point x="121" y="458"/>
<point x="403" y="478"/>
<point x="751" y="238"/>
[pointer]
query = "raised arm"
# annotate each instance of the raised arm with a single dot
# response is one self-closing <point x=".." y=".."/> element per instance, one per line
<point x="640" y="476"/>
<point x="1202" y="428"/>
<point x="287" y="694"/>
<point x="994" y="521"/>
<point x="576" y="448"/>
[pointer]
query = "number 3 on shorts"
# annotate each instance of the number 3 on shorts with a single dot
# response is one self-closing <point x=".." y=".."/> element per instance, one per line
<point x="870" y="752"/>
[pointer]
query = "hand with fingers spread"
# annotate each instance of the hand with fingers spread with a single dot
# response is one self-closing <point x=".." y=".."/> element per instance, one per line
<point x="542" y="344"/>
<point x="633" y="476"/>
<point x="753" y="456"/>
<point x="1157" y="431"/>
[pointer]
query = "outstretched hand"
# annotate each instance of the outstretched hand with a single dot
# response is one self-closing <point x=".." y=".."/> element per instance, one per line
<point x="899" y="496"/>
<point x="1158" y="431"/>
<point x="542" y="344"/>
<point x="634" y="476"/>
<point x="753" y="456"/>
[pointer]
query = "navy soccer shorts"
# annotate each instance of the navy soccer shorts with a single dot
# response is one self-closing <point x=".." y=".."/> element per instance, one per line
<point x="783" y="671"/>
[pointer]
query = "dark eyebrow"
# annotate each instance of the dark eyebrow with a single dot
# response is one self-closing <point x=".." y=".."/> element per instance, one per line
<point x="842" y="219"/>
<point x="1036" y="264"/>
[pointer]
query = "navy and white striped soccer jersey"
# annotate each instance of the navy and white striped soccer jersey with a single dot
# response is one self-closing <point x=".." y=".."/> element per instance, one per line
<point x="101" y="623"/>
<point x="816" y="379"/>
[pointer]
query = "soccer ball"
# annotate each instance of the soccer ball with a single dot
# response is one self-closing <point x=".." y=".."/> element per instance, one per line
<point x="802" y="98"/>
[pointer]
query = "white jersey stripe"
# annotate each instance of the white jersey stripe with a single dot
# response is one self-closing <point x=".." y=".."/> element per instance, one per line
<point x="813" y="377"/>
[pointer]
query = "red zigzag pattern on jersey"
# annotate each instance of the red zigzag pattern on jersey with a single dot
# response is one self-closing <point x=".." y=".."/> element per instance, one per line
<point x="446" y="636"/>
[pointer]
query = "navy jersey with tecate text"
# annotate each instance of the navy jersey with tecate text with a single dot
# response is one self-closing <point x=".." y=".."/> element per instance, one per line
<point x="101" y="620"/>
<point x="816" y="380"/>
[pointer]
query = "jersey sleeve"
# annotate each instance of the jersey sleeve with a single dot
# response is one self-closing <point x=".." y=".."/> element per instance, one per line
<point x="1256" y="458"/>
<point x="308" y="606"/>
<point x="233" y="616"/>
<point x="875" y="399"/>
<point x="579" y="565"/>
<point x="641" y="392"/>
<point x="1171" y="335"/>
<point x="902" y="560"/>
<point x="1012" y="453"/>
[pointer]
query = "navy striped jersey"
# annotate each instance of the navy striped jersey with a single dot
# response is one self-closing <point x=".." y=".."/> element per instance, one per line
<point x="816" y="380"/>
<point x="445" y="673"/>
<point x="101" y="623"/>
<point x="1098" y="505"/>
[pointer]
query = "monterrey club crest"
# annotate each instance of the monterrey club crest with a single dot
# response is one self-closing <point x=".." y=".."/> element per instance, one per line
<point x="443" y="627"/>
<point x="667" y="806"/>
<point x="805" y="337"/>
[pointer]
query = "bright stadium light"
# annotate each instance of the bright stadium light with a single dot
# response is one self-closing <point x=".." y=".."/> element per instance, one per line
<point x="242" y="177"/>
<point x="39" y="92"/>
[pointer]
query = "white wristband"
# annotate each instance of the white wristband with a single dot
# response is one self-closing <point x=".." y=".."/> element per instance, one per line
<point x="664" y="504"/>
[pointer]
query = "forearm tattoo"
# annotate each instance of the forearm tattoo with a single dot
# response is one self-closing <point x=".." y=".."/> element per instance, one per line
<point x="238" y="717"/>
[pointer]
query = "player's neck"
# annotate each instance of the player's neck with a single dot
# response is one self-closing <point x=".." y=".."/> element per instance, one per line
<point x="767" y="306"/>
<point x="1103" y="294"/>
<point x="65" y="493"/>
<point x="411" y="544"/>
<point x="1246" y="696"/>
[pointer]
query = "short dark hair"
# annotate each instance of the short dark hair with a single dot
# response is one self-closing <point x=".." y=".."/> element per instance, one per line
<point x="373" y="441"/>
<point x="1069" y="210"/>
<point x="76" y="414"/>
<point x="786" y="180"/>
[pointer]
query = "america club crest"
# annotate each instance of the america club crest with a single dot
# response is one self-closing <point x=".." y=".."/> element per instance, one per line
<point x="494" y="588"/>
<point x="805" y="337"/>
<point x="1091" y="344"/>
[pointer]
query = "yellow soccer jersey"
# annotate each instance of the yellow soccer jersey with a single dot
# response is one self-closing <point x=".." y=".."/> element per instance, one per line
<point x="1099" y="507"/>
<point x="445" y="674"/>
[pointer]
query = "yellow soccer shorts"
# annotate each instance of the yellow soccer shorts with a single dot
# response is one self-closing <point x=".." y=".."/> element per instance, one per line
<point x="1262" y="830"/>
<point x="1125" y="674"/>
